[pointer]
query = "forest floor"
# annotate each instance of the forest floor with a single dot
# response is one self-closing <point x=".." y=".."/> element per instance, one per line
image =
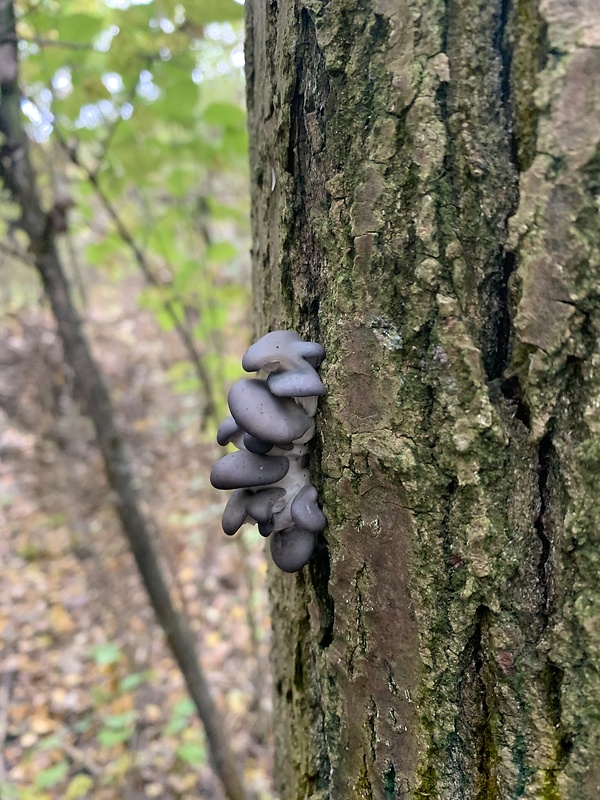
<point x="91" y="703"/>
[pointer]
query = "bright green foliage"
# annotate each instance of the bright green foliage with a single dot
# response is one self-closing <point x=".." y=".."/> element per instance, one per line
<point x="192" y="753"/>
<point x="53" y="775"/>
<point x="133" y="680"/>
<point x="146" y="99"/>
<point x="182" y="712"/>
<point x="107" y="653"/>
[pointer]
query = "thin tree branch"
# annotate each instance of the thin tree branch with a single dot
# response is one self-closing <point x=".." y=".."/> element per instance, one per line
<point x="5" y="690"/>
<point x="18" y="177"/>
<point x="16" y="254"/>
<point x="185" y="334"/>
<point x="180" y="326"/>
<point x="42" y="42"/>
<point x="112" y="129"/>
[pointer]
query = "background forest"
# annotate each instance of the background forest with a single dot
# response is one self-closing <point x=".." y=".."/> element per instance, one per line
<point x="135" y="113"/>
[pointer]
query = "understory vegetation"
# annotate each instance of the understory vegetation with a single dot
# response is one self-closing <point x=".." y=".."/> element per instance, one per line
<point x="136" y="128"/>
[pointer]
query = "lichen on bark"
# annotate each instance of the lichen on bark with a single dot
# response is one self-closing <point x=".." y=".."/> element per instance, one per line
<point x="425" y="179"/>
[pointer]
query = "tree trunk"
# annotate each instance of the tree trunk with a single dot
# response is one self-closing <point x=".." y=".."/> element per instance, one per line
<point x="425" y="180"/>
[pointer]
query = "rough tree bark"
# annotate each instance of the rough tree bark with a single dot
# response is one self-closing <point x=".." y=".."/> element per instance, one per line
<point x="425" y="178"/>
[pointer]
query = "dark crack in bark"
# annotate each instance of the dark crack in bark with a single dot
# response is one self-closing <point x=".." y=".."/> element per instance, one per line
<point x="488" y="756"/>
<point x="307" y="138"/>
<point x="545" y="450"/>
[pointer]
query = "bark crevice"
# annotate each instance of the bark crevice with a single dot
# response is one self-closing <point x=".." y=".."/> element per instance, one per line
<point x="488" y="746"/>
<point x="320" y="571"/>
<point x="544" y="454"/>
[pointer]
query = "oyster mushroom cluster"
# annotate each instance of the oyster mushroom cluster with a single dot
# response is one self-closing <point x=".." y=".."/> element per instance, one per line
<point x="271" y="424"/>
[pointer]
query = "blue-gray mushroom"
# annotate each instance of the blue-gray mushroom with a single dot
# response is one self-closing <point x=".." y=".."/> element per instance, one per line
<point x="271" y="419"/>
<point x="290" y="363"/>
<point x="249" y="505"/>
<point x="242" y="470"/>
<point x="255" y="445"/>
<point x="235" y="512"/>
<point x="262" y="505"/>
<point x="292" y="548"/>
<point x="306" y="512"/>
<point x="272" y="424"/>
<point x="229" y="431"/>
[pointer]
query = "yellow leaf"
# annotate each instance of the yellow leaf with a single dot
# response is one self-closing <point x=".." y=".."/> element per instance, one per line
<point x="60" y="620"/>
<point x="79" y="787"/>
<point x="237" y="701"/>
<point x="183" y="783"/>
<point x="41" y="724"/>
<point x="188" y="575"/>
<point x="28" y="739"/>
<point x="123" y="764"/>
<point x="213" y="639"/>
<point x="120" y="704"/>
<point x="152" y="713"/>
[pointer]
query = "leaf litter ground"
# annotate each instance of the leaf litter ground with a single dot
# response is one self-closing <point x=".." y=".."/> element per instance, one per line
<point x="91" y="702"/>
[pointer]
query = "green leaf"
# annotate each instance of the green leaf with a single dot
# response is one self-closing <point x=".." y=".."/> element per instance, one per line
<point x="231" y="369"/>
<point x="215" y="11"/>
<point x="79" y="28"/>
<point x="193" y="753"/>
<point x="83" y="725"/>
<point x="220" y="210"/>
<point x="109" y="737"/>
<point x="130" y="682"/>
<point x="48" y="778"/>
<point x="107" y="253"/>
<point x="179" y="101"/>
<point x="226" y="114"/>
<point x="117" y="721"/>
<point x="108" y="653"/>
<point x="236" y="142"/>
<point x="219" y="252"/>
<point x="180" y="181"/>
<point x="184" y="708"/>
<point x="175" y="725"/>
<point x="49" y="743"/>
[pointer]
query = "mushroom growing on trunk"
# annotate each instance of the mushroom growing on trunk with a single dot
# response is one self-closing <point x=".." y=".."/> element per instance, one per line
<point x="271" y="424"/>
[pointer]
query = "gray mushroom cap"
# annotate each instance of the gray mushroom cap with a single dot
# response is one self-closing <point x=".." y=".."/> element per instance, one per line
<point x="268" y="418"/>
<point x="305" y="511"/>
<point x="245" y="504"/>
<point x="260" y="505"/>
<point x="267" y="527"/>
<point x="242" y="470"/>
<point x="235" y="512"/>
<point x="228" y="430"/>
<point x="255" y="445"/>
<point x="281" y="350"/>
<point x="292" y="548"/>
<point x="290" y="362"/>
<point x="299" y="382"/>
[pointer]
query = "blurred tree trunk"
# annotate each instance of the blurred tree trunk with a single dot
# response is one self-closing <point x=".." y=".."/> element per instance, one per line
<point x="425" y="181"/>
